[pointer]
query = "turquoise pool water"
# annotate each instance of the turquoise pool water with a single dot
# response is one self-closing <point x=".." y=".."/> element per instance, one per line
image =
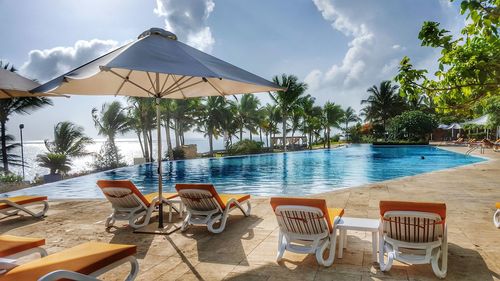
<point x="292" y="173"/>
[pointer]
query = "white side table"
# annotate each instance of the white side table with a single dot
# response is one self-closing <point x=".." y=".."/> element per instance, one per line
<point x="359" y="224"/>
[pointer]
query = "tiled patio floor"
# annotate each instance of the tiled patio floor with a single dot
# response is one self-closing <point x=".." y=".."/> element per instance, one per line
<point x="247" y="249"/>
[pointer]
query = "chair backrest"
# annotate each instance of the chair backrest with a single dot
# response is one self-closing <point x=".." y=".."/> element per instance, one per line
<point x="414" y="222"/>
<point x="200" y="197"/>
<point x="122" y="194"/>
<point x="302" y="216"/>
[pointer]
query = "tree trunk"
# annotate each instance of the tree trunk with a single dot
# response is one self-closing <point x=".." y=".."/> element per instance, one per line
<point x="150" y="138"/>
<point x="169" y="140"/>
<point x="210" y="143"/>
<point x="5" y="159"/>
<point x="267" y="139"/>
<point x="328" y="137"/>
<point x="250" y="135"/>
<point x="284" y="132"/>
<point x="260" y="134"/>
<point x="241" y="133"/>
<point x="176" y="131"/>
<point x="146" y="145"/>
<point x="346" y="130"/>
<point x="140" y="142"/>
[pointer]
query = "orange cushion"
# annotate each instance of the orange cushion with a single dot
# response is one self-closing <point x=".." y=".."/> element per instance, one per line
<point x="497" y="205"/>
<point x="21" y="200"/>
<point x="437" y="208"/>
<point x="328" y="213"/>
<point x="85" y="259"/>
<point x="210" y="188"/>
<point x="10" y="244"/>
<point x="123" y="184"/>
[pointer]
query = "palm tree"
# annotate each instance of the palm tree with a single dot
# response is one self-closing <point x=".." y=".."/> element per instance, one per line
<point x="57" y="163"/>
<point x="311" y="119"/>
<point x="271" y="115"/>
<point x="69" y="140"/>
<point x="13" y="159"/>
<point x="167" y="109"/>
<point x="16" y="106"/>
<point x="215" y="114"/>
<point x="349" y="117"/>
<point x="333" y="114"/>
<point x="183" y="115"/>
<point x="142" y="119"/>
<point x="247" y="114"/>
<point x="110" y="121"/>
<point x="287" y="99"/>
<point x="383" y="103"/>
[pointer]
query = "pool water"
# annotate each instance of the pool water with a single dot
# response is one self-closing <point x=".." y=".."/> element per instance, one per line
<point x="291" y="173"/>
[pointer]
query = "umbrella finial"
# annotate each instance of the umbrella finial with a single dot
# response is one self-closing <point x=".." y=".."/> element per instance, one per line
<point x="158" y="31"/>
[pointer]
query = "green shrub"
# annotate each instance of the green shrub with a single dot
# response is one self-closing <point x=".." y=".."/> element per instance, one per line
<point x="412" y="125"/>
<point x="57" y="163"/>
<point x="10" y="178"/>
<point x="335" y="138"/>
<point x="179" y="153"/>
<point x="245" y="147"/>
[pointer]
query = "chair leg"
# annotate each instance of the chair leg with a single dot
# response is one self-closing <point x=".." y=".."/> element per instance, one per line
<point x="441" y="254"/>
<point x="496" y="218"/>
<point x="186" y="222"/>
<point x="281" y="247"/>
<point x="331" y="244"/>
<point x="385" y="266"/>
<point x="222" y="218"/>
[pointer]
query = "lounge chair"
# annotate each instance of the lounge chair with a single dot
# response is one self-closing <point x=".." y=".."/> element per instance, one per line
<point x="496" y="216"/>
<point x="206" y="207"/>
<point x="13" y="247"/>
<point x="413" y="233"/>
<point x="83" y="262"/>
<point x="11" y="206"/>
<point x="307" y="226"/>
<point x="130" y="204"/>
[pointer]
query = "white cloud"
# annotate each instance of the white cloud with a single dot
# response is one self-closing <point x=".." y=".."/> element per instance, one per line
<point x="49" y="63"/>
<point x="188" y="20"/>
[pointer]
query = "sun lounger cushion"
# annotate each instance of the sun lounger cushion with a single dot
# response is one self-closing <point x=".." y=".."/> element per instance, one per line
<point x="221" y="198"/>
<point x="438" y="208"/>
<point x="21" y="200"/>
<point x="329" y="213"/>
<point x="10" y="245"/>
<point x="146" y="199"/>
<point x="85" y="259"/>
<point x="497" y="205"/>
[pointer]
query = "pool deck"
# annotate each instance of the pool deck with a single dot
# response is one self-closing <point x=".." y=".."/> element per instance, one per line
<point x="246" y="250"/>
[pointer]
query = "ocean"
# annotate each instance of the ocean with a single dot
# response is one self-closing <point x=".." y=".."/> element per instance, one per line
<point x="129" y="149"/>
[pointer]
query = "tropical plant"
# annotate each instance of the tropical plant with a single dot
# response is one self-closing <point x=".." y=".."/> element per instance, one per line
<point x="69" y="140"/>
<point x="110" y="121"/>
<point x="16" y="106"/>
<point x="10" y="178"/>
<point x="333" y="114"/>
<point x="245" y="147"/>
<point x="12" y="159"/>
<point x="287" y="99"/>
<point x="57" y="163"/>
<point x="167" y="109"/>
<point x="247" y="114"/>
<point x="412" y="125"/>
<point x="312" y="121"/>
<point x="468" y="69"/>
<point x="215" y="114"/>
<point x="184" y="116"/>
<point x="142" y="120"/>
<point x="350" y="116"/>
<point x="271" y="116"/>
<point x="383" y="103"/>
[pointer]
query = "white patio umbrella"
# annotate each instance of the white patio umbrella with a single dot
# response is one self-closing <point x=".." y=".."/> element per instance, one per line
<point x="13" y="85"/>
<point x="157" y="65"/>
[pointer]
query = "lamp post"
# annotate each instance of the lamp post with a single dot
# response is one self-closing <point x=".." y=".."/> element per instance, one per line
<point x="21" y="127"/>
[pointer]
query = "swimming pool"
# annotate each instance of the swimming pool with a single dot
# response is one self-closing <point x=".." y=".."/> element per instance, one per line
<point x="292" y="173"/>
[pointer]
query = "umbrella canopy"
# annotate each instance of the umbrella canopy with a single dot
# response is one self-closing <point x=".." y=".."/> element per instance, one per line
<point x="184" y="72"/>
<point x="482" y="121"/>
<point x="454" y="126"/>
<point x="13" y="85"/>
<point x="157" y="65"/>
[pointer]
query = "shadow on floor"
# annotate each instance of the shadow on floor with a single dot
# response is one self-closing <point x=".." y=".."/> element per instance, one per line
<point x="12" y="222"/>
<point x="227" y="247"/>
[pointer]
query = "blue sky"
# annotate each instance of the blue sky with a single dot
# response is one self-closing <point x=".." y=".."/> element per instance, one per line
<point x="340" y="48"/>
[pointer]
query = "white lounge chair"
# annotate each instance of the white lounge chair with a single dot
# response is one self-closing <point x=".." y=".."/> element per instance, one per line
<point x="83" y="263"/>
<point x="307" y="226"/>
<point x="496" y="216"/>
<point x="413" y="233"/>
<point x="11" y="206"/>
<point x="129" y="204"/>
<point x="207" y="207"/>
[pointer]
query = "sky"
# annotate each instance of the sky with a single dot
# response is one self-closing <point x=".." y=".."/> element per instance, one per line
<point x="339" y="48"/>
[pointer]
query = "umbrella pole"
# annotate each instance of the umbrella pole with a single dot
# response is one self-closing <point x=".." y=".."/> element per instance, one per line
<point x="158" y="132"/>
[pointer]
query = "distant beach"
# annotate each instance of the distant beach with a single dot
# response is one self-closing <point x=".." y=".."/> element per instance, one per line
<point x="129" y="149"/>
